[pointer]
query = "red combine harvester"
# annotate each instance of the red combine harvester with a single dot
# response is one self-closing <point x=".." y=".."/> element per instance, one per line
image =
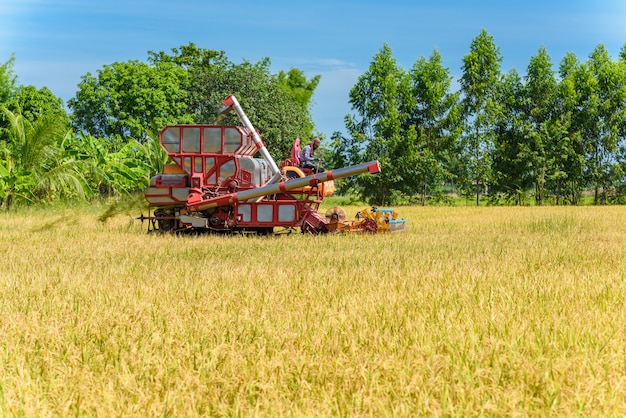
<point x="216" y="184"/>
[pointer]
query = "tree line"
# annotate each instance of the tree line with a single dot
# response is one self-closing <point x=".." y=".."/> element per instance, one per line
<point x="547" y="136"/>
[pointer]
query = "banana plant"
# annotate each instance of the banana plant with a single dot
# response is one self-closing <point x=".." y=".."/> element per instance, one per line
<point x="35" y="166"/>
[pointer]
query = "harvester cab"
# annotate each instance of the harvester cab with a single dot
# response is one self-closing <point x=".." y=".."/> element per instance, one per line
<point x="216" y="184"/>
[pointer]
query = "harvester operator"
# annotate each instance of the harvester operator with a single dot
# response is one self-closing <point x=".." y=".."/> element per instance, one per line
<point x="308" y="159"/>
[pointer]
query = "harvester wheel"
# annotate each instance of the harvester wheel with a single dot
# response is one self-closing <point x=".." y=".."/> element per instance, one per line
<point x="165" y="221"/>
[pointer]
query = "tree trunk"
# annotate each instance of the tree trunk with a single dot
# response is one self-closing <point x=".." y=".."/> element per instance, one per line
<point x="477" y="193"/>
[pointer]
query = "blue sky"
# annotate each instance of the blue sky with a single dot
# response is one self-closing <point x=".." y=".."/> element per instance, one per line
<point x="57" y="41"/>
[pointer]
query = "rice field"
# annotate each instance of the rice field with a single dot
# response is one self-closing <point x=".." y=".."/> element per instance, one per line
<point x="491" y="311"/>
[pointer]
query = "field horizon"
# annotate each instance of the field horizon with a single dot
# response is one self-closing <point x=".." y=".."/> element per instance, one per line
<point x="472" y="311"/>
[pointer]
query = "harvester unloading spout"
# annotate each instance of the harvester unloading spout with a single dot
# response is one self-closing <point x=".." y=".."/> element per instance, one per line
<point x="231" y="102"/>
<point x="216" y="184"/>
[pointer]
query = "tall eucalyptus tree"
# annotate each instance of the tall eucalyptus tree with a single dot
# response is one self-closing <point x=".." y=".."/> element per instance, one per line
<point x="607" y="121"/>
<point x="542" y="135"/>
<point x="436" y="119"/>
<point x="479" y="83"/>
<point x="381" y="99"/>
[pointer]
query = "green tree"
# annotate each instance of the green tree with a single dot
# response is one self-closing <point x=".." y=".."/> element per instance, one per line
<point x="511" y="173"/>
<point x="28" y="101"/>
<point x="8" y="80"/>
<point x="33" y="103"/>
<point x="192" y="60"/>
<point x="597" y="99"/>
<point x="130" y="99"/>
<point x="189" y="56"/>
<point x="436" y="119"/>
<point x="295" y="82"/>
<point x="565" y="161"/>
<point x="381" y="98"/>
<point x="542" y="134"/>
<point x="298" y="86"/>
<point x="621" y="64"/>
<point x="479" y="83"/>
<point x="570" y="154"/>
<point x="301" y="89"/>
<point x="606" y="105"/>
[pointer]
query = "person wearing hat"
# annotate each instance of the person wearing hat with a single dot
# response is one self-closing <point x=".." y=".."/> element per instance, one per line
<point x="307" y="158"/>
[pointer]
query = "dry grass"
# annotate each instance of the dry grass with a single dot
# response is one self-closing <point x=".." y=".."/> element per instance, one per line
<point x="472" y="311"/>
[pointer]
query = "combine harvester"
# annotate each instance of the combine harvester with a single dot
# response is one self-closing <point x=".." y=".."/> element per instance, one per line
<point x="216" y="184"/>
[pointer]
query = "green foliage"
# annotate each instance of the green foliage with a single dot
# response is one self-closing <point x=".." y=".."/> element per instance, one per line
<point x="295" y="83"/>
<point x="540" y="137"/>
<point x="510" y="171"/>
<point x="380" y="98"/>
<point x="410" y="122"/>
<point x="36" y="167"/>
<point x="130" y="100"/>
<point x="189" y="56"/>
<point x="542" y="121"/>
<point x="569" y="154"/>
<point x="8" y="80"/>
<point x="481" y="76"/>
<point x="33" y="103"/>
<point x="436" y="120"/>
<point x="113" y="165"/>
<point x="28" y="101"/>
<point x="606" y="124"/>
